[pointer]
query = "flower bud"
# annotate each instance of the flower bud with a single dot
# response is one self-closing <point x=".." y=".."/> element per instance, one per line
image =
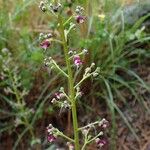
<point x="92" y="65"/>
<point x="87" y="70"/>
<point x="53" y="101"/>
<point x="100" y="142"/>
<point x="70" y="52"/>
<point x="49" y="35"/>
<point x="41" y="3"/>
<point x="95" y="74"/>
<point x="66" y="104"/>
<point x="103" y="123"/>
<point x="47" y="61"/>
<point x="85" y="51"/>
<point x="41" y="36"/>
<point x="55" y="7"/>
<point x="61" y="89"/>
<point x="57" y="95"/>
<point x="70" y="146"/>
<point x="43" y="8"/>
<point x="79" y="10"/>
<point x="85" y="132"/>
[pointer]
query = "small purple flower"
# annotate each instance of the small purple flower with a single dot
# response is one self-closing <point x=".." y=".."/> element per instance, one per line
<point x="100" y="142"/>
<point x="80" y="19"/>
<point x="70" y="146"/>
<point x="50" y="131"/>
<point x="77" y="60"/>
<point x="51" y="138"/>
<point x="59" y="95"/>
<point x="45" y="44"/>
<point x="81" y="94"/>
<point x="103" y="123"/>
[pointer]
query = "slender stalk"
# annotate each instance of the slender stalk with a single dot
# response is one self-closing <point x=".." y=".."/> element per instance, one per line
<point x="83" y="148"/>
<point x="71" y="86"/>
<point x="81" y="81"/>
<point x="59" y="69"/>
<point x="66" y="137"/>
<point x="85" y="141"/>
<point x="94" y="138"/>
<point x="89" y="125"/>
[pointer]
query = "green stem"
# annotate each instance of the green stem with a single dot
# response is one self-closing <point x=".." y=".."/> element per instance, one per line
<point x="67" y="21"/>
<point x="29" y="126"/>
<point x="82" y="80"/>
<point x="94" y="138"/>
<point x="71" y="86"/>
<point x="59" y="69"/>
<point x="89" y="125"/>
<point x="85" y="140"/>
<point x="83" y="148"/>
<point x="66" y="137"/>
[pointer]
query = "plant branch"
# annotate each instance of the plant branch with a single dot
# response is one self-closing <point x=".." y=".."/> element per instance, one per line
<point x="71" y="85"/>
<point x="58" y="68"/>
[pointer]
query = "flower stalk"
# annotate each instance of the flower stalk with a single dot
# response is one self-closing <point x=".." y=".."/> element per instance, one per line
<point x="74" y="62"/>
<point x="71" y="85"/>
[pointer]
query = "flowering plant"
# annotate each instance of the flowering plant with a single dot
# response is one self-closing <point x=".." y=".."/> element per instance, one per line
<point x="74" y="62"/>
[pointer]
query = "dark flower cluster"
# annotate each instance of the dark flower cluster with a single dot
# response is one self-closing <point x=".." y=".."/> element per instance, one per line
<point x="99" y="127"/>
<point x="42" y="6"/>
<point x="53" y="7"/>
<point x="51" y="137"/>
<point x="101" y="141"/>
<point x="46" y="40"/>
<point x="103" y="124"/>
<point x="80" y="18"/>
<point x="61" y="99"/>
<point x="70" y="146"/>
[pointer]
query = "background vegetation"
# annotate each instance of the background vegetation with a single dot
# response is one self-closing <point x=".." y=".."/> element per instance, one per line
<point x="119" y="45"/>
